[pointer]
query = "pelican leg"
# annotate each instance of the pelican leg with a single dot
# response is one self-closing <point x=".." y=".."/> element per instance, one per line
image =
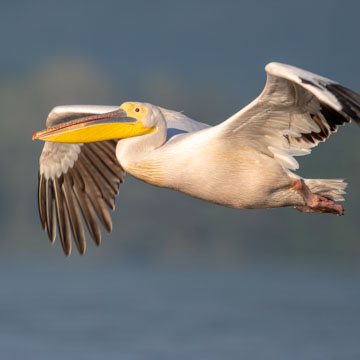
<point x="315" y="202"/>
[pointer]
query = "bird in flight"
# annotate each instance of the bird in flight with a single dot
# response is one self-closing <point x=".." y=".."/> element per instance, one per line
<point x="245" y="162"/>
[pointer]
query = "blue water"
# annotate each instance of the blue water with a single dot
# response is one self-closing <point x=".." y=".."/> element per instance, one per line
<point x="108" y="311"/>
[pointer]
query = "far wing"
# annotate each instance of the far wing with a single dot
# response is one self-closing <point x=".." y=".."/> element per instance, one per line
<point x="77" y="178"/>
<point x="295" y="111"/>
<point x="178" y="123"/>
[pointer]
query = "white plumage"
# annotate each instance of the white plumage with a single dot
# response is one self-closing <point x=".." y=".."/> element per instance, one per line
<point x="245" y="162"/>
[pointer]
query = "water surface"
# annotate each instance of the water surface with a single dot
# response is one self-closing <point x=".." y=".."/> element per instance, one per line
<point x="112" y="311"/>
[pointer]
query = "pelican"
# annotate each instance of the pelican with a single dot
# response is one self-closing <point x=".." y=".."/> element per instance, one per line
<point x="245" y="162"/>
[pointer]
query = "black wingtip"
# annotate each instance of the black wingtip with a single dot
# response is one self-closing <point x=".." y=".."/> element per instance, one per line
<point x="349" y="100"/>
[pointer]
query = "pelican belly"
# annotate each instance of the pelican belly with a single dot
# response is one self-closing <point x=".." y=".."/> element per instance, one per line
<point x="243" y="179"/>
<point x="214" y="171"/>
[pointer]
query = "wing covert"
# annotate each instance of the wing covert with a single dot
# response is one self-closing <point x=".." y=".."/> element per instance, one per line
<point x="295" y="111"/>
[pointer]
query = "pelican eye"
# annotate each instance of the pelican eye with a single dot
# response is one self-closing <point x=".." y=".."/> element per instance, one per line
<point x="137" y="109"/>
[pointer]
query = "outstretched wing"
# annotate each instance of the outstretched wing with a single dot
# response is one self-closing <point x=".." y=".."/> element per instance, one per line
<point x="77" y="178"/>
<point x="295" y="111"/>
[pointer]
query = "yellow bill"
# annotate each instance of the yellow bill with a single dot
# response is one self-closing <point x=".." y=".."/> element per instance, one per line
<point x="113" y="125"/>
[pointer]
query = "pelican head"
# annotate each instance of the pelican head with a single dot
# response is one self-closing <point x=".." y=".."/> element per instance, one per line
<point x="132" y="119"/>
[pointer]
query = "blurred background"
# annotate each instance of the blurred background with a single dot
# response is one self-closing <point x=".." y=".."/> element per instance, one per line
<point x="178" y="277"/>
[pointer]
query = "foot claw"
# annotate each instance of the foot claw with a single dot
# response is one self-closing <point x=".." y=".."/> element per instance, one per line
<point x="317" y="203"/>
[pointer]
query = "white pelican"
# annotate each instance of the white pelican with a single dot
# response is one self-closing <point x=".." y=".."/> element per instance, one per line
<point x="246" y="162"/>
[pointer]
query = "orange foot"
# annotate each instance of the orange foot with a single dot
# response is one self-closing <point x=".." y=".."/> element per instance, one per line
<point x="314" y="202"/>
